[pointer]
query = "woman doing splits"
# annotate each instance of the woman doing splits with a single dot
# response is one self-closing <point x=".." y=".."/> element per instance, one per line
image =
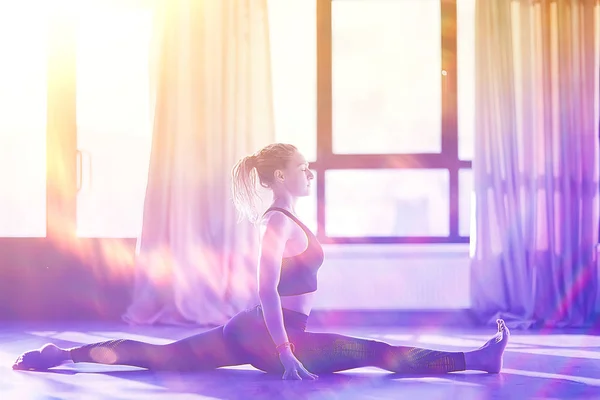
<point x="272" y="336"/>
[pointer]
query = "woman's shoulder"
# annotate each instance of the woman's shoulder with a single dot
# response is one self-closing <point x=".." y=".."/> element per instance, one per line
<point x="275" y="220"/>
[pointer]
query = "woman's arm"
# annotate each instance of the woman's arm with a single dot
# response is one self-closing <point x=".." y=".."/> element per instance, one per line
<point x="275" y="236"/>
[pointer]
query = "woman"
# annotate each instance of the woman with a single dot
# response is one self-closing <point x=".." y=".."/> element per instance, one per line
<point x="272" y="335"/>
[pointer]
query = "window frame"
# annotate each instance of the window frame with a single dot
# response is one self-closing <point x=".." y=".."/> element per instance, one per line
<point x="447" y="159"/>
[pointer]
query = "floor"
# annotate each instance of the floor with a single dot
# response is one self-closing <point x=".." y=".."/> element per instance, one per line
<point x="537" y="365"/>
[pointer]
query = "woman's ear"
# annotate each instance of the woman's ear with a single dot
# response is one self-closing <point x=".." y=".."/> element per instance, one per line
<point x="278" y="174"/>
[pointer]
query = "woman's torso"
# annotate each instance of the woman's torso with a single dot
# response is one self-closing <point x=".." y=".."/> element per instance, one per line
<point x="296" y="245"/>
<point x="301" y="303"/>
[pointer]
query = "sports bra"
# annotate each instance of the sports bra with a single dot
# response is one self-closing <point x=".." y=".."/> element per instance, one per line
<point x="299" y="273"/>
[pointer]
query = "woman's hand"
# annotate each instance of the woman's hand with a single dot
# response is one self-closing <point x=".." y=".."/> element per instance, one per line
<point x="293" y="367"/>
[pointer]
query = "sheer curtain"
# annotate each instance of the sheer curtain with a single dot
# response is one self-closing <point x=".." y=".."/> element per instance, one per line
<point x="212" y="100"/>
<point x="536" y="162"/>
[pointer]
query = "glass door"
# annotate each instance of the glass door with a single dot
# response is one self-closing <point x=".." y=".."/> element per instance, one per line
<point x="75" y="138"/>
<point x="114" y="119"/>
<point x="23" y="94"/>
<point x="113" y="138"/>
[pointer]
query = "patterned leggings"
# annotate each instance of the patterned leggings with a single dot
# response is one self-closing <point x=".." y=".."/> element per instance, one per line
<point x="246" y="340"/>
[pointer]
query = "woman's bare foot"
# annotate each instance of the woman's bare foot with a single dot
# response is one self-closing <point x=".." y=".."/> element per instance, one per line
<point x="489" y="357"/>
<point x="47" y="356"/>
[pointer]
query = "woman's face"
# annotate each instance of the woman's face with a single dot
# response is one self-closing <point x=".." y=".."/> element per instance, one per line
<point x="296" y="177"/>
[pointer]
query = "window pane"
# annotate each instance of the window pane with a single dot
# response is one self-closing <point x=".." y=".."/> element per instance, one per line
<point x="386" y="83"/>
<point x="114" y="132"/>
<point x="465" y="196"/>
<point x="22" y="120"/>
<point x="292" y="28"/>
<point x="465" y="31"/>
<point x="387" y="202"/>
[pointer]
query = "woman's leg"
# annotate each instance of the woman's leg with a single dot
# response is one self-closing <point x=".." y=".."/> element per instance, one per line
<point x="247" y="335"/>
<point x="206" y="350"/>
<point x="325" y="353"/>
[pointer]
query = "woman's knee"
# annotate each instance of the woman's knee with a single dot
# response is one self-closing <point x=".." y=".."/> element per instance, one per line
<point x="247" y="335"/>
<point x="244" y="331"/>
<point x="237" y="326"/>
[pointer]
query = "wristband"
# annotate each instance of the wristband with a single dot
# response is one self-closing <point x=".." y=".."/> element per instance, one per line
<point x="286" y="345"/>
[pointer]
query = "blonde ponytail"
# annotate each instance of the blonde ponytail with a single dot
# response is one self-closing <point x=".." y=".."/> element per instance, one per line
<point x="244" y="189"/>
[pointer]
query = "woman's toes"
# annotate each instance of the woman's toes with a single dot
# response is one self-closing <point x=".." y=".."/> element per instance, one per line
<point x="501" y="324"/>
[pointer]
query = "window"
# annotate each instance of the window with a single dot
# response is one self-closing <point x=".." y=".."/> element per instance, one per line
<point x="386" y="202"/>
<point x="385" y="86"/>
<point x="395" y="120"/>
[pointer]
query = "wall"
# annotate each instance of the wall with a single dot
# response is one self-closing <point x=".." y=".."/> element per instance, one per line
<point x="394" y="277"/>
<point x="398" y="277"/>
<point x="386" y="279"/>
